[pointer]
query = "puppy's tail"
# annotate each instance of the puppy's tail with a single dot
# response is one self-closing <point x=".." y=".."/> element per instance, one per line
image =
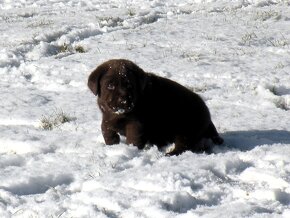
<point x="213" y="135"/>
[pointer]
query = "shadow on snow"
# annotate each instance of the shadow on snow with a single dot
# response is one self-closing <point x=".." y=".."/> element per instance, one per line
<point x="248" y="140"/>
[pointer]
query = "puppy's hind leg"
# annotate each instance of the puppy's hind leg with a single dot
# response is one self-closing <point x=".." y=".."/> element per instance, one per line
<point x="180" y="145"/>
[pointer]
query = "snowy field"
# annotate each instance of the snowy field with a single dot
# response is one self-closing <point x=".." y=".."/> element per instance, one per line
<point x="53" y="160"/>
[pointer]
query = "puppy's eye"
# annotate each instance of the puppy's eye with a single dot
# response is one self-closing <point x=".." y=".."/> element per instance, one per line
<point x="111" y="86"/>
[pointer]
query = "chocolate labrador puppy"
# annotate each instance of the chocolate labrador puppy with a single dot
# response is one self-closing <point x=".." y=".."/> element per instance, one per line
<point x="146" y="108"/>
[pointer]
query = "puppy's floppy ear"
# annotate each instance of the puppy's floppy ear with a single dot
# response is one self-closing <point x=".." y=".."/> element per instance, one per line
<point x="95" y="77"/>
<point x="142" y="80"/>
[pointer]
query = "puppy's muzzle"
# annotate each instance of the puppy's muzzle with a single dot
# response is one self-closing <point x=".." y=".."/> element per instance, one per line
<point x="122" y="106"/>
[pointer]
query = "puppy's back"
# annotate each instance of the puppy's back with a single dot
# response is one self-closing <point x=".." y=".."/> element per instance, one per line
<point x="170" y="108"/>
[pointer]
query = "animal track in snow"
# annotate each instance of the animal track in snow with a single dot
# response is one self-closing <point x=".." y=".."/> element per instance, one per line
<point x="279" y="96"/>
<point x="49" y="42"/>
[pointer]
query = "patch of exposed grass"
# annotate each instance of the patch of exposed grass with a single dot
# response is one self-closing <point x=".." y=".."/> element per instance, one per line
<point x="41" y="23"/>
<point x="279" y="42"/>
<point x="248" y="38"/>
<point x="54" y="120"/>
<point x="72" y="49"/>
<point x="110" y="21"/>
<point x="131" y="12"/>
<point x="266" y="15"/>
<point x="64" y="48"/>
<point x="197" y="89"/>
<point x="191" y="56"/>
<point x="79" y="49"/>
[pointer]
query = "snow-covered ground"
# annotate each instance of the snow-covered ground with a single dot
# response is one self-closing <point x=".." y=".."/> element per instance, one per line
<point x="235" y="54"/>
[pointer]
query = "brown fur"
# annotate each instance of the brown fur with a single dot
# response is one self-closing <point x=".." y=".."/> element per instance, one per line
<point x="149" y="109"/>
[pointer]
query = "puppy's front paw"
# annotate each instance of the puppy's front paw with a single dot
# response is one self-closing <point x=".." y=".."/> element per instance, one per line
<point x="115" y="139"/>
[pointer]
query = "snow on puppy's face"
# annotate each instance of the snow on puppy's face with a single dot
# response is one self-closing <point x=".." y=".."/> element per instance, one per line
<point x="117" y="84"/>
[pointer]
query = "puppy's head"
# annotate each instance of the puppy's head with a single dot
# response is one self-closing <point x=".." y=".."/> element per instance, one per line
<point x="117" y="83"/>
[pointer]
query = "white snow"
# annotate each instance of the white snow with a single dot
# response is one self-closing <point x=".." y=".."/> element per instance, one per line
<point x="235" y="54"/>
